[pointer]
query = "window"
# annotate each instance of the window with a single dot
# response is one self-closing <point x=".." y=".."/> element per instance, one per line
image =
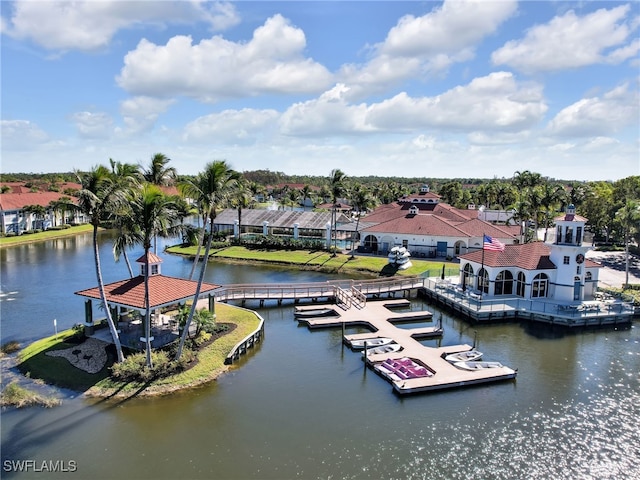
<point x="539" y="286"/>
<point x="504" y="283"/>
<point x="569" y="235"/>
<point x="483" y="281"/>
<point x="588" y="277"/>
<point x="520" y="284"/>
<point x="566" y="260"/>
<point x="578" y="270"/>
<point x="467" y="276"/>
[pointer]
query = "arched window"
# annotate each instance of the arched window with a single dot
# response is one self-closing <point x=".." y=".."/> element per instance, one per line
<point x="504" y="283"/>
<point x="539" y="286"/>
<point x="483" y="281"/>
<point x="521" y="283"/>
<point x="371" y="243"/>
<point x="588" y="277"/>
<point x="467" y="275"/>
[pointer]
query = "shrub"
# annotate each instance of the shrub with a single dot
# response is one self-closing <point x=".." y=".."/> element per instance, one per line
<point x="10" y="347"/>
<point x="134" y="368"/>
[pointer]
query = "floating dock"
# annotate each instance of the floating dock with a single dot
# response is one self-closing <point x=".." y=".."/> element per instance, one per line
<point x="379" y="316"/>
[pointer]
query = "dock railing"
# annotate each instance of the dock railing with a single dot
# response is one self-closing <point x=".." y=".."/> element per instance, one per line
<point x="472" y="300"/>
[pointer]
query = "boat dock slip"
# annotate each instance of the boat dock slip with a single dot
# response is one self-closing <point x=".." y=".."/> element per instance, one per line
<point x="380" y="317"/>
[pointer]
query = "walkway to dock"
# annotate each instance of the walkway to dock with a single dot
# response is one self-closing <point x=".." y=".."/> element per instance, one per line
<point x="351" y="292"/>
<point x="379" y="316"/>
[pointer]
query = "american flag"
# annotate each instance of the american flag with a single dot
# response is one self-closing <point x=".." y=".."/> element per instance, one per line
<point x="492" y="245"/>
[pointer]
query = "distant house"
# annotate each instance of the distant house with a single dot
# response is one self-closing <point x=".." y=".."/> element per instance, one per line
<point x="16" y="218"/>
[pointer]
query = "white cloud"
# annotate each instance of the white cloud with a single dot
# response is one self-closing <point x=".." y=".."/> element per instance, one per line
<point x="22" y="135"/>
<point x="271" y="62"/>
<point x="89" y="25"/>
<point x="93" y="125"/>
<point x="598" y="116"/>
<point x="246" y="126"/>
<point x="572" y="41"/>
<point x="329" y="114"/>
<point x="140" y="113"/>
<point x="429" y="44"/>
<point x="492" y="103"/>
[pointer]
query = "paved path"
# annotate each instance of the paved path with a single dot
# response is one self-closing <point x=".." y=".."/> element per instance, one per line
<point x="613" y="273"/>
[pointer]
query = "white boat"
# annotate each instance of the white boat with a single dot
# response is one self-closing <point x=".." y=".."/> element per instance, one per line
<point x="399" y="256"/>
<point x="317" y="312"/>
<point x="371" y="342"/>
<point x="389" y="348"/>
<point x="477" y="365"/>
<point x="468" y="356"/>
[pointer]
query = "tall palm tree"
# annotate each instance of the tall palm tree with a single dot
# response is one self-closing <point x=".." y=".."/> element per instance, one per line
<point x="628" y="218"/>
<point x="241" y="198"/>
<point x="154" y="214"/>
<point x="552" y="195"/>
<point x="127" y="176"/>
<point x="211" y="188"/>
<point x="362" y="201"/>
<point x="96" y="199"/>
<point x="337" y="180"/>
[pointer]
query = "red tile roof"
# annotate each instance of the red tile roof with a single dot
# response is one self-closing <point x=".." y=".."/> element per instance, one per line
<point x="153" y="258"/>
<point x="163" y="290"/>
<point x="17" y="201"/>
<point x="529" y="256"/>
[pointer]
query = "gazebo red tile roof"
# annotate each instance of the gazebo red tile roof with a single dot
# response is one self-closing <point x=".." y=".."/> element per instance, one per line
<point x="163" y="290"/>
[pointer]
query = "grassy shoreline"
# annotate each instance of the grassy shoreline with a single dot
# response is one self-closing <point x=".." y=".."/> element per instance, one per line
<point x="322" y="261"/>
<point x="34" y="363"/>
<point x="44" y="236"/>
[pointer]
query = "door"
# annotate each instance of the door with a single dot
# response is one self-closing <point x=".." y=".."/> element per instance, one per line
<point x="577" y="290"/>
<point x="442" y="249"/>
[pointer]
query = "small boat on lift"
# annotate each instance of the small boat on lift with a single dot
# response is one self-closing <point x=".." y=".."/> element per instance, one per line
<point x="370" y="342"/>
<point x="316" y="312"/>
<point x="468" y="356"/>
<point x="389" y="348"/>
<point x="478" y="365"/>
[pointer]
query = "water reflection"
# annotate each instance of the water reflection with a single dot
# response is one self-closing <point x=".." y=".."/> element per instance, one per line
<point x="302" y="405"/>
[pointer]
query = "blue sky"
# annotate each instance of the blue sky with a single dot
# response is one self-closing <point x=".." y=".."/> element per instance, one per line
<point x="388" y="88"/>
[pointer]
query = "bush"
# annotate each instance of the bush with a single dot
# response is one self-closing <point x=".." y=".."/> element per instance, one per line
<point x="10" y="347"/>
<point x="134" y="368"/>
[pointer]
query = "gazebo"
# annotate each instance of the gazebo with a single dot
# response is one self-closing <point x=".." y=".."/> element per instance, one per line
<point x="125" y="298"/>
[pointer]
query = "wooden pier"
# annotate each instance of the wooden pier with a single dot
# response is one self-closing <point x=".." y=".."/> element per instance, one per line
<point x="379" y="316"/>
<point x="352" y="292"/>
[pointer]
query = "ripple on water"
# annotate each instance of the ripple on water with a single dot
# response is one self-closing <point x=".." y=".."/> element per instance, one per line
<point x="597" y="438"/>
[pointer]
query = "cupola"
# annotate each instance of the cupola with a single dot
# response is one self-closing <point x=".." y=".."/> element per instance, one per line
<point x="154" y="262"/>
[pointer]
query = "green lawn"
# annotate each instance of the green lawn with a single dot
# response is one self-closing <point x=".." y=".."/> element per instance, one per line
<point x="33" y="361"/>
<point x="324" y="261"/>
<point x="42" y="236"/>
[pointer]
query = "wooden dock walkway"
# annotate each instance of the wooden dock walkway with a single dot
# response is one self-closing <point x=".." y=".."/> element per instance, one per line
<point x="379" y="317"/>
<point x="353" y="292"/>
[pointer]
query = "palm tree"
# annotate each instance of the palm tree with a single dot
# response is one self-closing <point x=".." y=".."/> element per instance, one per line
<point x="211" y="188"/>
<point x="96" y="199"/>
<point x="628" y="217"/>
<point x="127" y="176"/>
<point x="293" y="197"/>
<point x="362" y="201"/>
<point x="158" y="172"/>
<point x="336" y="186"/>
<point x="552" y="195"/>
<point x="305" y="191"/>
<point x="154" y="214"/>
<point x="241" y="198"/>
<point x="36" y="211"/>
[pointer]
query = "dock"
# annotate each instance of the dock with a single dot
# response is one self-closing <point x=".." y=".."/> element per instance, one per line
<point x="379" y="316"/>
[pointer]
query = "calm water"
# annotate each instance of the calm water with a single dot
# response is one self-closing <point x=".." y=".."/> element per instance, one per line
<point x="302" y="406"/>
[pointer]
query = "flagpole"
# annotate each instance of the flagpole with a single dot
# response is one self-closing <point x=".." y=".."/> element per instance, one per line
<point x="482" y="267"/>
